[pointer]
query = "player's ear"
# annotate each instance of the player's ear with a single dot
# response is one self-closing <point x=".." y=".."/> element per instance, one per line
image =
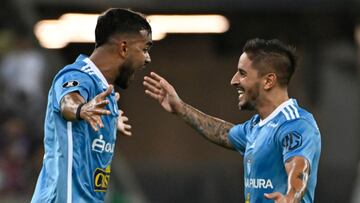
<point x="270" y="80"/>
<point x="122" y="48"/>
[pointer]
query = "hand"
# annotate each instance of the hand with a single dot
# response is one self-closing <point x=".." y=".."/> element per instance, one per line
<point x="95" y="108"/>
<point x="159" y="89"/>
<point x="278" y="197"/>
<point x="121" y="125"/>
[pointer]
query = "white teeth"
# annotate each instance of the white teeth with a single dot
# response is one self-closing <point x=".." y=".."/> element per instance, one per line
<point x="240" y="92"/>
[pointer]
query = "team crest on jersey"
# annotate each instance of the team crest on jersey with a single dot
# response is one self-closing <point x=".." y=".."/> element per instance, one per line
<point x="248" y="166"/>
<point x="101" y="179"/>
<point x="292" y="141"/>
<point x="73" y="83"/>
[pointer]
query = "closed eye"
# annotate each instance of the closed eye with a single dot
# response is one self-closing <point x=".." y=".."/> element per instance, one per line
<point x="242" y="72"/>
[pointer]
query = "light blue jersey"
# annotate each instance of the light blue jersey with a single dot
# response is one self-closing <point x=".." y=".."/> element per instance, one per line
<point x="267" y="144"/>
<point x="76" y="164"/>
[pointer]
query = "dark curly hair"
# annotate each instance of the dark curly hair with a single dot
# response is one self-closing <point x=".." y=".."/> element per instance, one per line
<point x="272" y="55"/>
<point x="119" y="20"/>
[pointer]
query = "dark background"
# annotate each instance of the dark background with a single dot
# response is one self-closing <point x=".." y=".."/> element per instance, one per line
<point x="167" y="161"/>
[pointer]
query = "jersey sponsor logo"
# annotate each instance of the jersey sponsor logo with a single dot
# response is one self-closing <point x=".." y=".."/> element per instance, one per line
<point x="101" y="179"/>
<point x="292" y="141"/>
<point x="73" y="83"/>
<point x="258" y="183"/>
<point x="99" y="145"/>
<point x="247" y="200"/>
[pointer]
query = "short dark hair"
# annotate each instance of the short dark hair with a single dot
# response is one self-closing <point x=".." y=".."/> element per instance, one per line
<point x="272" y="55"/>
<point x="119" y="20"/>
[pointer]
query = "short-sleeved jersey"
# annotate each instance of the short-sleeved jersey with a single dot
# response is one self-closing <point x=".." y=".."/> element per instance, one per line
<point x="267" y="144"/>
<point x="76" y="164"/>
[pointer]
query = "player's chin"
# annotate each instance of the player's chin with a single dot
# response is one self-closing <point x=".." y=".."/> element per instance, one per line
<point x="243" y="105"/>
<point x="240" y="106"/>
<point x="123" y="85"/>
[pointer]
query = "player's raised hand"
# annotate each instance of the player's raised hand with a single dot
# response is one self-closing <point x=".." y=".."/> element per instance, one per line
<point x="122" y="127"/>
<point x="278" y="198"/>
<point x="95" y="108"/>
<point x="162" y="91"/>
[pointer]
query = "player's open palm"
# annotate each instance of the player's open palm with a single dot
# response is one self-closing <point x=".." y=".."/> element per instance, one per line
<point x="122" y="126"/>
<point x="279" y="198"/>
<point x="95" y="108"/>
<point x="162" y="91"/>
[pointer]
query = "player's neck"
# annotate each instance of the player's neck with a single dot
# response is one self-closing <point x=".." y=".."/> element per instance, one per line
<point x="270" y="102"/>
<point x="105" y="61"/>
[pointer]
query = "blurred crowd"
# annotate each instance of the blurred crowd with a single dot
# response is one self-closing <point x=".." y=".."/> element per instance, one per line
<point x="22" y="105"/>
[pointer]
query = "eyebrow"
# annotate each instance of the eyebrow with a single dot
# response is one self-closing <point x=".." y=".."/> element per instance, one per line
<point x="241" y="69"/>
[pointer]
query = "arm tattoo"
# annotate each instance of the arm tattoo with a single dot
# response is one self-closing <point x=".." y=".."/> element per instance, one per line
<point x="298" y="172"/>
<point x="213" y="129"/>
<point x="301" y="176"/>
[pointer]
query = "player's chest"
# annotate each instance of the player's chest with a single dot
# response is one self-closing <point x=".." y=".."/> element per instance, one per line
<point x="261" y="145"/>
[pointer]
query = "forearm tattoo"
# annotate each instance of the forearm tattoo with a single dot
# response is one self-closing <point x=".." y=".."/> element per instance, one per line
<point x="213" y="129"/>
<point x="301" y="176"/>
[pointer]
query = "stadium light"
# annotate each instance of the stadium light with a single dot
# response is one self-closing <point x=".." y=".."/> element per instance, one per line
<point x="77" y="27"/>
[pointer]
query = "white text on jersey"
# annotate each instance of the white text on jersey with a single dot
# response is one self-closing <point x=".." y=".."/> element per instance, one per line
<point x="99" y="145"/>
<point x="258" y="183"/>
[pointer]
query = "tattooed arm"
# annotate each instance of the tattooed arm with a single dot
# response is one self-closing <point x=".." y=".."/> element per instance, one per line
<point x="297" y="169"/>
<point x="213" y="129"/>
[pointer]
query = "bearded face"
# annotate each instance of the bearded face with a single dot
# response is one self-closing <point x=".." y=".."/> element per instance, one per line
<point x="247" y="83"/>
<point x="125" y="77"/>
<point x="137" y="58"/>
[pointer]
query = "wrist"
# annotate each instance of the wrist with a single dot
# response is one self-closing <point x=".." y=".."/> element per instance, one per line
<point x="294" y="196"/>
<point x="78" y="112"/>
<point x="179" y="109"/>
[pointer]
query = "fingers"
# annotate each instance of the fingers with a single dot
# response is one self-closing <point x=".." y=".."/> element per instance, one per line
<point x="153" y="95"/>
<point x="166" y="86"/>
<point x="117" y="96"/>
<point x="151" y="87"/>
<point x="156" y="76"/>
<point x="124" y="118"/>
<point x="101" y="104"/>
<point x="93" y="110"/>
<point x="98" y="108"/>
<point x="151" y="82"/>
<point x="126" y="130"/>
<point x="95" y="122"/>
<point x="156" y="84"/>
<point x="274" y="195"/>
<point x="122" y="126"/>
<point x="106" y="93"/>
<point x="100" y="112"/>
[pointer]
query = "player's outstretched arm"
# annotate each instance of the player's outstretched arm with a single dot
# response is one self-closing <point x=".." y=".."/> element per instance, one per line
<point x="213" y="129"/>
<point x="297" y="169"/>
<point x="73" y="107"/>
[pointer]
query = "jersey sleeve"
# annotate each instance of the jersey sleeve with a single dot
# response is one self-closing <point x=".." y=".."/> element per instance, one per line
<point x="298" y="138"/>
<point x="72" y="81"/>
<point x="237" y="136"/>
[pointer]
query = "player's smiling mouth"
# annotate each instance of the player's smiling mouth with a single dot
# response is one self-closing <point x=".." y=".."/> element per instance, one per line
<point x="241" y="92"/>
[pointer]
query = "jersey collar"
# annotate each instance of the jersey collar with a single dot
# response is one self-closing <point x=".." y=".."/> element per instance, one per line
<point x="97" y="71"/>
<point x="277" y="110"/>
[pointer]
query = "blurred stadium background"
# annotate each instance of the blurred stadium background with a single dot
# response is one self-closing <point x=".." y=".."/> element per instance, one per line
<point x="165" y="160"/>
